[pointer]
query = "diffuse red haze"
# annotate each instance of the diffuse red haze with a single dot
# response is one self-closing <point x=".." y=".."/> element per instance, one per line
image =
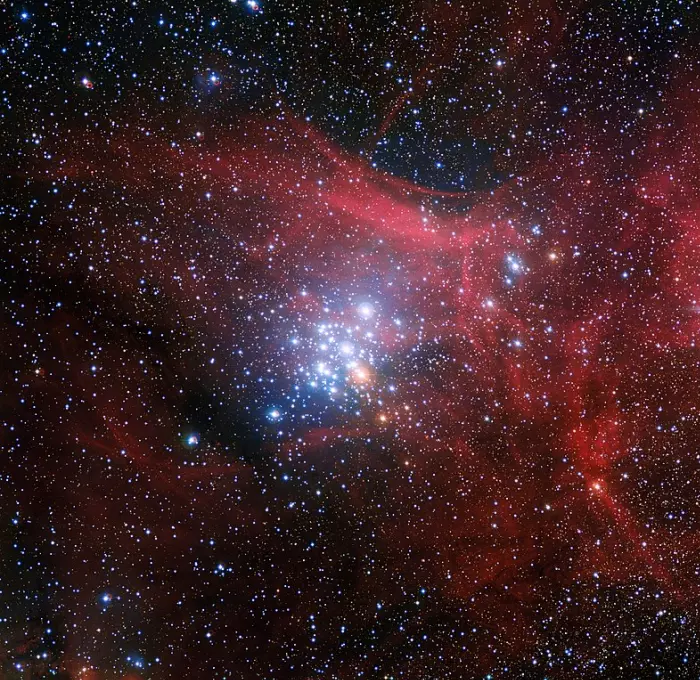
<point x="529" y="428"/>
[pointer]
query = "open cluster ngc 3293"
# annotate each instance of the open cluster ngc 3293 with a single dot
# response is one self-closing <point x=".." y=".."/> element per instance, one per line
<point x="350" y="339"/>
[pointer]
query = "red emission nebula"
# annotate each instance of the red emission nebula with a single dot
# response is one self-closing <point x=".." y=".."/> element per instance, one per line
<point x="272" y="411"/>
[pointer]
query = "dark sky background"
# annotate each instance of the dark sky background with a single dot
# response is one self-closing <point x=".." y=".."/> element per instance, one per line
<point x="349" y="340"/>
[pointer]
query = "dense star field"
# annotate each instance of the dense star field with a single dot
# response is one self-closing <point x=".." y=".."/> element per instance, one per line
<point x="349" y="339"/>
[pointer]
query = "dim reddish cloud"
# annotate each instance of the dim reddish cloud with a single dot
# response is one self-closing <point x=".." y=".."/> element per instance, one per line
<point x="530" y="455"/>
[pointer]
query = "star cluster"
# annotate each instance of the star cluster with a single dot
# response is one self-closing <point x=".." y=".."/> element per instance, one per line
<point x="350" y="340"/>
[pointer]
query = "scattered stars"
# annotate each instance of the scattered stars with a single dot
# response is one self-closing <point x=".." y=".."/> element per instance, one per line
<point x="369" y="329"/>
